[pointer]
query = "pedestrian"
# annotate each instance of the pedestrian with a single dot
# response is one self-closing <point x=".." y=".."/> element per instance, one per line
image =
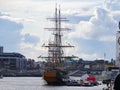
<point x="117" y="83"/>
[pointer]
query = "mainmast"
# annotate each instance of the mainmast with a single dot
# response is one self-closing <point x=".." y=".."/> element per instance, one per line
<point x="55" y="48"/>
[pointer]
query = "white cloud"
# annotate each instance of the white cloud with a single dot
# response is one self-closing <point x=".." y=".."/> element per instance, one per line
<point x="112" y="4"/>
<point x="24" y="45"/>
<point x="30" y="39"/>
<point x="107" y="38"/>
<point x="82" y="30"/>
<point x="102" y="23"/>
<point x="32" y="50"/>
<point x="4" y="14"/>
<point x="100" y="30"/>
<point x="116" y="15"/>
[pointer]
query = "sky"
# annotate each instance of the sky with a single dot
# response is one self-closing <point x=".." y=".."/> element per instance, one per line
<point x="93" y="24"/>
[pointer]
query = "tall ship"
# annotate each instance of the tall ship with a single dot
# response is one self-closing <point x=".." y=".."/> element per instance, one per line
<point x="55" y="72"/>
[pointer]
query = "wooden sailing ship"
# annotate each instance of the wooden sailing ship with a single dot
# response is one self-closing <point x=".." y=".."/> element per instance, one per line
<point x="55" y="66"/>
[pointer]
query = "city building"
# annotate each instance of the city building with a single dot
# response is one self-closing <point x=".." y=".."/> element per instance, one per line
<point x="30" y="64"/>
<point x="94" y="66"/>
<point x="12" y="61"/>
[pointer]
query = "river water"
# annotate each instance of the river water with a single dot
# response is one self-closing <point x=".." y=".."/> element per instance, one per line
<point x="37" y="83"/>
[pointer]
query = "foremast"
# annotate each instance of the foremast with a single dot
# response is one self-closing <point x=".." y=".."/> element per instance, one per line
<point x="56" y="56"/>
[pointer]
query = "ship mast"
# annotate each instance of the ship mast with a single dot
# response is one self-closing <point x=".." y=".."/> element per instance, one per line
<point x="55" y="48"/>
